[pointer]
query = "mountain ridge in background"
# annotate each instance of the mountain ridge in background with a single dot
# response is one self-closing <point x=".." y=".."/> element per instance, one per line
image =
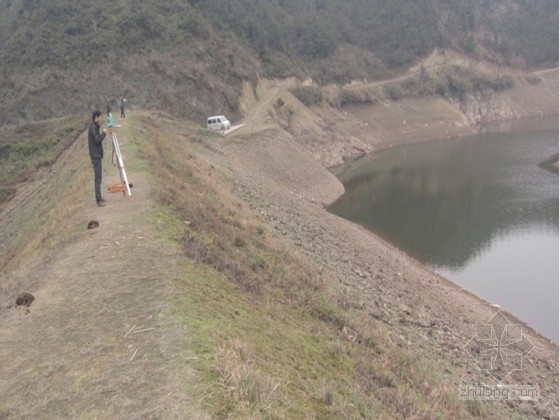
<point x="190" y="58"/>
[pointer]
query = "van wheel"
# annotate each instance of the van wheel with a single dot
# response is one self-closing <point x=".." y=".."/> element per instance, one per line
<point x="223" y="128"/>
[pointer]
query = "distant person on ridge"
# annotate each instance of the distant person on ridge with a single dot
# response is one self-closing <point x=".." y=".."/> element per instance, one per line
<point x="110" y="120"/>
<point x="96" y="135"/>
<point x="122" y="102"/>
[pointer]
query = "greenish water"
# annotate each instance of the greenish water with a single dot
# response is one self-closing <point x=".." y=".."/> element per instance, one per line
<point x="478" y="210"/>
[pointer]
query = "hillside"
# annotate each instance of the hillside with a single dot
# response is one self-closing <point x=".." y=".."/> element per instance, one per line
<point x="190" y="59"/>
<point x="337" y="123"/>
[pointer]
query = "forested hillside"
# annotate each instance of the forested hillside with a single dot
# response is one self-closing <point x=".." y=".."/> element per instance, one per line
<point x="188" y="57"/>
<point x="398" y="32"/>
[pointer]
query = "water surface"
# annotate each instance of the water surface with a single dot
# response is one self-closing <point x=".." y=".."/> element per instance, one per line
<point x="479" y="210"/>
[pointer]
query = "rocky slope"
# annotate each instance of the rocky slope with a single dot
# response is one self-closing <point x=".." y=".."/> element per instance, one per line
<point x="381" y="285"/>
<point x="334" y="134"/>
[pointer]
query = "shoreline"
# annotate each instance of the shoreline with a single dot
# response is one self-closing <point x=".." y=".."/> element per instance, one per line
<point x="550" y="121"/>
<point x="550" y="165"/>
<point x="419" y="308"/>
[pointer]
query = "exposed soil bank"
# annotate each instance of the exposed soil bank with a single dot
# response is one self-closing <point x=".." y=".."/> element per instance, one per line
<point x="416" y="120"/>
<point x="422" y="311"/>
<point x="333" y="136"/>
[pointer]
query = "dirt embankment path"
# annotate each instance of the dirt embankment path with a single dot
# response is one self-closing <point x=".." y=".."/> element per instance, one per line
<point x="98" y="341"/>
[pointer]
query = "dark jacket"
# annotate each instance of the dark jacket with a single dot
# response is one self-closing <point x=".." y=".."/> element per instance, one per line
<point x="95" y="141"/>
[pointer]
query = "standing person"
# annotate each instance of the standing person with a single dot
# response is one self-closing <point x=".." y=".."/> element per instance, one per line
<point x="110" y="121"/>
<point x="96" y="135"/>
<point x="122" y="102"/>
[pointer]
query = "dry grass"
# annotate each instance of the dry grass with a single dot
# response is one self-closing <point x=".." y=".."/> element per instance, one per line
<point x="275" y="341"/>
<point x="246" y="385"/>
<point x="36" y="219"/>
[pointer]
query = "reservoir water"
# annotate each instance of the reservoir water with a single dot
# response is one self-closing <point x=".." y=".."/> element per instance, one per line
<point x="479" y="210"/>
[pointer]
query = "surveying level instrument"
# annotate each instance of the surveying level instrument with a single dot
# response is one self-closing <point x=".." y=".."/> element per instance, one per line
<point x="124" y="186"/>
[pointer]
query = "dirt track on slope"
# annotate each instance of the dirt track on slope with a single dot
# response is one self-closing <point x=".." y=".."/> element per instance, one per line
<point x="98" y="341"/>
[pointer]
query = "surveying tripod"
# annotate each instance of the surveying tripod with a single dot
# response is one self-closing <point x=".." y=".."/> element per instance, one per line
<point x="124" y="186"/>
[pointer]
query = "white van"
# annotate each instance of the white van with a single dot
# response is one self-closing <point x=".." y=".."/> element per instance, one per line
<point x="218" y="123"/>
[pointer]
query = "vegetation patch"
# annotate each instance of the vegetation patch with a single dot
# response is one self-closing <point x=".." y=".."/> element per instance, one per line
<point x="308" y="95"/>
<point x="27" y="148"/>
<point x="27" y="151"/>
<point x="393" y="91"/>
<point x="349" y="96"/>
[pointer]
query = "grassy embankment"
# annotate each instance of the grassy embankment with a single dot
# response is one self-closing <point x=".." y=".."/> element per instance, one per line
<point x="267" y="337"/>
<point x="29" y="154"/>
<point x="266" y="331"/>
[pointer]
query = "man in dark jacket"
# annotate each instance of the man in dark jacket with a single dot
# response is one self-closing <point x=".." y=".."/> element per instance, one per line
<point x="96" y="135"/>
<point x="122" y="103"/>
